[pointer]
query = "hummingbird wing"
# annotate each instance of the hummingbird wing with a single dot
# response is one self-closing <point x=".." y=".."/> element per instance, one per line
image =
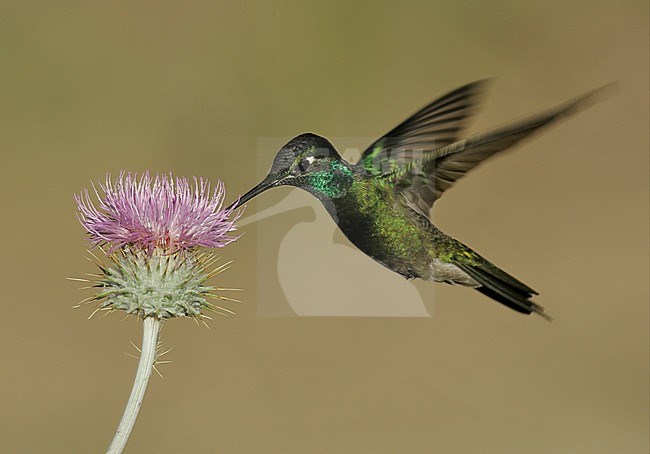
<point x="423" y="180"/>
<point x="432" y="127"/>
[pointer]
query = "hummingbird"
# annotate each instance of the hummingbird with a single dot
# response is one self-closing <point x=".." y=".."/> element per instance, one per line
<point x="382" y="202"/>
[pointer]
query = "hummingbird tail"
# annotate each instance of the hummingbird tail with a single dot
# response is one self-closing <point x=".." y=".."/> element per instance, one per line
<point x="501" y="287"/>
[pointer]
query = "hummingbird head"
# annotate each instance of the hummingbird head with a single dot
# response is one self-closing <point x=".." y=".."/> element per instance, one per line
<point x="309" y="162"/>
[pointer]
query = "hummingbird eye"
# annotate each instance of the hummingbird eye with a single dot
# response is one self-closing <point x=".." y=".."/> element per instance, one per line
<point x="305" y="163"/>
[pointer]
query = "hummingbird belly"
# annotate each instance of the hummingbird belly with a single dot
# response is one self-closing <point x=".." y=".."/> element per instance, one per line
<point x="393" y="234"/>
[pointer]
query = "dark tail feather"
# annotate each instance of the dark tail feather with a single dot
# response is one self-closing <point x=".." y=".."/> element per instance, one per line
<point x="512" y="296"/>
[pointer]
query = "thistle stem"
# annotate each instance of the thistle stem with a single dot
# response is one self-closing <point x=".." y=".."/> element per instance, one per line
<point x="151" y="330"/>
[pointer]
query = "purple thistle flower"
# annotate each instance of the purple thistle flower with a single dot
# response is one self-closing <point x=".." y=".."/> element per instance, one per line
<point x="153" y="228"/>
<point x="164" y="212"/>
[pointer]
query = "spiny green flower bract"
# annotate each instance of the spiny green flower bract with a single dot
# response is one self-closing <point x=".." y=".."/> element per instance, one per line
<point x="158" y="285"/>
<point x="154" y="230"/>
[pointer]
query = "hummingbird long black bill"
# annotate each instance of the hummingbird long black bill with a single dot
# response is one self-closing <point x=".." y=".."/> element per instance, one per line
<point x="263" y="186"/>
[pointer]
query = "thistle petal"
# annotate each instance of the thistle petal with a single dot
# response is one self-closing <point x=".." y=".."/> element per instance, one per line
<point x="165" y="212"/>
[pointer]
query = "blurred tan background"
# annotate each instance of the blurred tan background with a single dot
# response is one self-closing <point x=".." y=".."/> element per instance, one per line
<point x="190" y="87"/>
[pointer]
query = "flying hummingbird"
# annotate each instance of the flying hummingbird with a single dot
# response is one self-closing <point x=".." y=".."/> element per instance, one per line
<point x="382" y="202"/>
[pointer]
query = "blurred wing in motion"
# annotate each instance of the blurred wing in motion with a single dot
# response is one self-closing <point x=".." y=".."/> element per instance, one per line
<point x="423" y="180"/>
